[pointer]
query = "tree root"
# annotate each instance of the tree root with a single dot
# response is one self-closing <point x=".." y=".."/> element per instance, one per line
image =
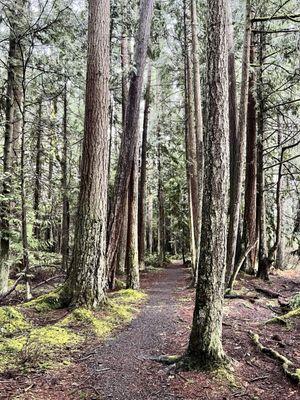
<point x="288" y="367"/>
<point x="167" y="360"/>
<point x="267" y="292"/>
<point x="283" y="319"/>
<point x="241" y="296"/>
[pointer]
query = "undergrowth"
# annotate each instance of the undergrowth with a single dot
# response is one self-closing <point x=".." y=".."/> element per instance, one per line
<point x="26" y="345"/>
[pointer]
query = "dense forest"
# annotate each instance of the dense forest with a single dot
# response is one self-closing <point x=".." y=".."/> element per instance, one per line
<point x="149" y="199"/>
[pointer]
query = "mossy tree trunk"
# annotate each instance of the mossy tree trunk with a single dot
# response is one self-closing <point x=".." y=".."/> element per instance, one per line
<point x="85" y="284"/>
<point x="205" y="345"/>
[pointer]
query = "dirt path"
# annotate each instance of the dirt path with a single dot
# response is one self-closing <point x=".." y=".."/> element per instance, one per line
<point x="122" y="368"/>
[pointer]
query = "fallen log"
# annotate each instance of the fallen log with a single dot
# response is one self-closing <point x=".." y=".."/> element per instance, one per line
<point x="288" y="367"/>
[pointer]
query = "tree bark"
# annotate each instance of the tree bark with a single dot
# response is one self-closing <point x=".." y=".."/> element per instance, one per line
<point x="161" y="235"/>
<point x="205" y="345"/>
<point x="132" y="251"/>
<point x="249" y="229"/>
<point x="239" y="156"/>
<point x="192" y="150"/>
<point x="38" y="174"/>
<point x="143" y="175"/>
<point x="261" y="206"/>
<point x="198" y="123"/>
<point x="86" y="281"/>
<point x="130" y="137"/>
<point x="6" y="183"/>
<point x="64" y="184"/>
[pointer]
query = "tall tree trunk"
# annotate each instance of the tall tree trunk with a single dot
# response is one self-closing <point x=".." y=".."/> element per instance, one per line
<point x="49" y="217"/>
<point x="149" y="224"/>
<point x="25" y="247"/>
<point x="132" y="251"/>
<point x="192" y="149"/>
<point x="38" y="175"/>
<point x="130" y="137"/>
<point x="143" y="177"/>
<point x="280" y="247"/>
<point x="205" y="345"/>
<point x="198" y="122"/>
<point x="64" y="183"/>
<point x="161" y="235"/>
<point x="261" y="205"/>
<point x="249" y="230"/>
<point x="86" y="281"/>
<point x="239" y="152"/>
<point x="6" y="183"/>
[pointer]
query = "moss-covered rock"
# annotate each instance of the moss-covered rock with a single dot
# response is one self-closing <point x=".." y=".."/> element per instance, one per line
<point x="12" y="321"/>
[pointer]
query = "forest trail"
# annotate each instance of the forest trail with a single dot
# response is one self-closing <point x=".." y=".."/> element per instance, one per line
<point x="122" y="367"/>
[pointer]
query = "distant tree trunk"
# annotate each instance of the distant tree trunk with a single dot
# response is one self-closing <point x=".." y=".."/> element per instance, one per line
<point x="205" y="345"/>
<point x="149" y="224"/>
<point x="261" y="205"/>
<point x="238" y="156"/>
<point x="86" y="281"/>
<point x="249" y="229"/>
<point x="130" y="137"/>
<point x="65" y="190"/>
<point x="25" y="247"/>
<point x="198" y="122"/>
<point x="38" y="174"/>
<point x="161" y="235"/>
<point x="49" y="217"/>
<point x="121" y="263"/>
<point x="279" y="261"/>
<point x="6" y="183"/>
<point x="125" y="74"/>
<point x="120" y="259"/>
<point x="297" y="227"/>
<point x="132" y="251"/>
<point x="192" y="150"/>
<point x="143" y="177"/>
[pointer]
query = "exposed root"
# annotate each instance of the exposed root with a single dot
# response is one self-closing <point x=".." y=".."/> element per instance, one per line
<point x="288" y="367"/>
<point x="167" y="360"/>
<point x="283" y="319"/>
<point x="267" y="292"/>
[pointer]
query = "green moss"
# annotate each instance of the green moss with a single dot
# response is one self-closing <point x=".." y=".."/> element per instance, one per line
<point x="284" y="319"/>
<point x="119" y="309"/>
<point x="227" y="375"/>
<point x="11" y="321"/>
<point x="87" y="319"/>
<point x="129" y="296"/>
<point x="54" y="336"/>
<point x="47" y="302"/>
<point x="120" y="284"/>
<point x="295" y="301"/>
<point x="34" y="348"/>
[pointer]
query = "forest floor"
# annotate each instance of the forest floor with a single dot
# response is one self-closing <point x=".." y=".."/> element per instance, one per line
<point x="124" y="367"/>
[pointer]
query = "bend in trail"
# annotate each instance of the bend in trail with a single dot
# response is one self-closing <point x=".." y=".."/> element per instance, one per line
<point x="122" y="367"/>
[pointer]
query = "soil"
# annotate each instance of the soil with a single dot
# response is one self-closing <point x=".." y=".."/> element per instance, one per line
<point x="125" y="366"/>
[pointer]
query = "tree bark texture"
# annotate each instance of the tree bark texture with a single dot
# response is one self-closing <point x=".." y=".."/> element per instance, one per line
<point x="205" y="345"/>
<point x="85" y="284"/>
<point x="130" y="137"/>
<point x="239" y="157"/>
<point x="143" y="175"/>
